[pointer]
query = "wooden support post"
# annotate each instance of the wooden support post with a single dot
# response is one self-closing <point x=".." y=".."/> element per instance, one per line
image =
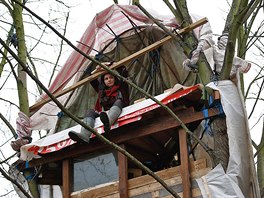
<point x="66" y="178"/>
<point x="185" y="171"/>
<point x="123" y="174"/>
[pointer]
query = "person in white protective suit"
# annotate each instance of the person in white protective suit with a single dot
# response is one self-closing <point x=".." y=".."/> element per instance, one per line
<point x="214" y="53"/>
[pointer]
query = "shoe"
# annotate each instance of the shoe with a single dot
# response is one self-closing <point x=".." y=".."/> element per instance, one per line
<point x="84" y="135"/>
<point x="105" y="120"/>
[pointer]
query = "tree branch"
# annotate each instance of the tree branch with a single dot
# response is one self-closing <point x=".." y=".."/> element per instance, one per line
<point x="14" y="181"/>
<point x="255" y="103"/>
<point x="8" y="125"/>
<point x="98" y="135"/>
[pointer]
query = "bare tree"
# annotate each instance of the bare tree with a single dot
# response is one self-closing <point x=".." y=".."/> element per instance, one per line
<point x="236" y="27"/>
<point x="14" y="20"/>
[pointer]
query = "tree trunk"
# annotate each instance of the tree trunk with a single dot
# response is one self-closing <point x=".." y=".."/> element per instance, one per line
<point x="221" y="148"/>
<point x="22" y="79"/>
<point x="22" y="84"/>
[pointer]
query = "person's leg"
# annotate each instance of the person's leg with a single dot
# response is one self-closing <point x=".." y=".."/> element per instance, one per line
<point x="84" y="135"/>
<point x="113" y="114"/>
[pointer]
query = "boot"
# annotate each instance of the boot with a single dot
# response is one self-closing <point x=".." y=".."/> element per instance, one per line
<point x="110" y="119"/>
<point x="84" y="136"/>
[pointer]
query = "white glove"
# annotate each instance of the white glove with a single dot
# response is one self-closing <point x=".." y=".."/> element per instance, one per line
<point x="241" y="65"/>
<point x="186" y="65"/>
<point x="222" y="41"/>
<point x="189" y="64"/>
<point x="244" y="68"/>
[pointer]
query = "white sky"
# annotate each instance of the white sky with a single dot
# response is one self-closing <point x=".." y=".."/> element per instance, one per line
<point x="84" y="11"/>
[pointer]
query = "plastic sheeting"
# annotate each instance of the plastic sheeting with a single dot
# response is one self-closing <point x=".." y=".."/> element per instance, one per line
<point x="239" y="179"/>
<point x="96" y="36"/>
<point x="169" y="57"/>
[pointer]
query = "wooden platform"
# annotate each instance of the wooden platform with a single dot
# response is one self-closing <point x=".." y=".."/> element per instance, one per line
<point x="146" y="186"/>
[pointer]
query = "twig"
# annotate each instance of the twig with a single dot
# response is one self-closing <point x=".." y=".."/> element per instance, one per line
<point x="8" y="125"/>
<point x="255" y="103"/>
<point x="61" y="45"/>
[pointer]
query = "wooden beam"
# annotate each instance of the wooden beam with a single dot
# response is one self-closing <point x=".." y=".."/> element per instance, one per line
<point x="125" y="133"/>
<point x="185" y="172"/>
<point x="144" y="183"/>
<point x="120" y="63"/>
<point x="66" y="178"/>
<point x="123" y="174"/>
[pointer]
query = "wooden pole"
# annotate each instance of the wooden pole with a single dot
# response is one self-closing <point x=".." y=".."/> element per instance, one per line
<point x="123" y="174"/>
<point x="185" y="171"/>
<point x="67" y="178"/>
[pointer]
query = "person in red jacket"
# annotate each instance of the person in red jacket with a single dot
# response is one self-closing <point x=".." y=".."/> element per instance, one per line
<point x="113" y="95"/>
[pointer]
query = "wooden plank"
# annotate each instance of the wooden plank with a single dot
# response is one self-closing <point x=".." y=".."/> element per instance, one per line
<point x="123" y="174"/>
<point x="197" y="165"/>
<point x="154" y="186"/>
<point x="147" y="180"/>
<point x="164" y="174"/>
<point x="120" y="63"/>
<point x="196" y="192"/>
<point x="172" y="181"/>
<point x="111" y="191"/>
<point x="100" y="191"/>
<point x="66" y="181"/>
<point x="216" y="95"/>
<point x="155" y="194"/>
<point x="112" y="188"/>
<point x="184" y="155"/>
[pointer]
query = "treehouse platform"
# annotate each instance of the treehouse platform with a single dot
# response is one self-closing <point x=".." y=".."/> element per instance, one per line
<point x="147" y="132"/>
